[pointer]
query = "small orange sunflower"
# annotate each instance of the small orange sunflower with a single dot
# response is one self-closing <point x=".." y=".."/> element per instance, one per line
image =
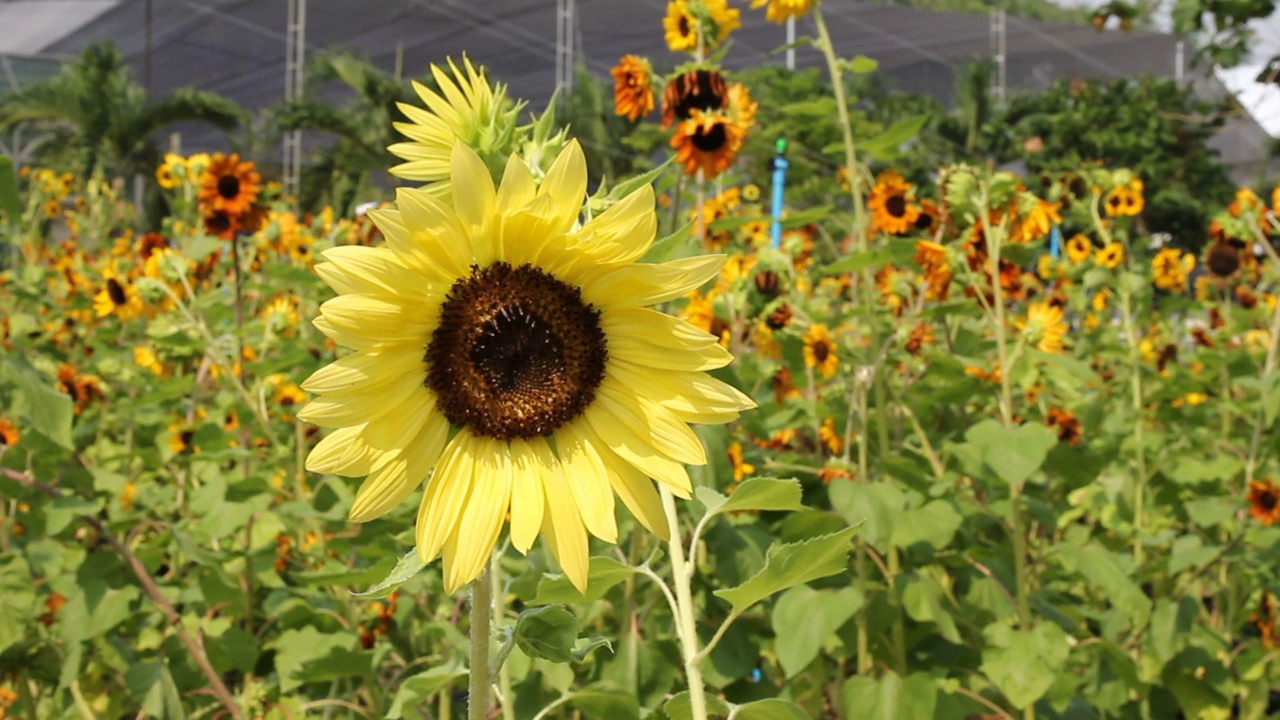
<point x="1066" y="423"/>
<point x="709" y="142"/>
<point x="8" y="433"/>
<point x="932" y="259"/>
<point x="1125" y="200"/>
<point x="892" y="204"/>
<point x="1264" y="501"/>
<point x="820" y="351"/>
<point x="632" y="87"/>
<point x="229" y="186"/>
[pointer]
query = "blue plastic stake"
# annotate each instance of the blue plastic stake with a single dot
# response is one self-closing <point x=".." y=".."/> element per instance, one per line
<point x="780" y="165"/>
<point x="1055" y="242"/>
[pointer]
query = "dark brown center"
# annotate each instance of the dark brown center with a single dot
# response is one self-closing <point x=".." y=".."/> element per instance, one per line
<point x="896" y="205"/>
<point x="517" y="353"/>
<point x="697" y="90"/>
<point x="1267" y="500"/>
<point x="710" y="140"/>
<point x="116" y="291"/>
<point x="1223" y="260"/>
<point x="229" y="186"/>
<point x="821" y="351"/>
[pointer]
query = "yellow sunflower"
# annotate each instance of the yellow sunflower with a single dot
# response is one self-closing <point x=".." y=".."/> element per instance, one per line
<point x="1044" y="326"/>
<point x="170" y="173"/>
<point x="1125" y="200"/>
<point x="892" y="205"/>
<point x="779" y="11"/>
<point x="517" y="355"/>
<point x="1171" y="267"/>
<point x="467" y="109"/>
<point x="820" y="351"/>
<point x="632" y="87"/>
<point x="680" y="27"/>
<point x="117" y="296"/>
<point x="1110" y="256"/>
<point x="1079" y="248"/>
<point x="716" y="19"/>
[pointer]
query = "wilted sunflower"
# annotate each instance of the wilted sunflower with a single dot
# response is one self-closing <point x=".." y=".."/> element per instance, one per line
<point x="1264" y="501"/>
<point x="517" y="356"/>
<point x="632" y="87"/>
<point x="1066" y="423"/>
<point x="470" y="111"/>
<point x="1044" y="326"/>
<point x="933" y="262"/>
<point x="892" y="204"/>
<point x="780" y="11"/>
<point x="1079" y="248"/>
<point x="229" y="186"/>
<point x="820" y="351"/>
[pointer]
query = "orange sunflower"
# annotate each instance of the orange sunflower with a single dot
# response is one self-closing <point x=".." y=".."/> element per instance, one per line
<point x="892" y="204"/>
<point x="632" y="87"/>
<point x="707" y="142"/>
<point x="229" y="185"/>
<point x="8" y="433"/>
<point x="704" y="90"/>
<point x="1264" y="501"/>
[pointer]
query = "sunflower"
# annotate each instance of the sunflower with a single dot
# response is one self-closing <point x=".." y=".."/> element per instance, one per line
<point x="680" y="27"/>
<point x="52" y="209"/>
<point x="8" y="433"/>
<point x="1066" y="423"/>
<point x="892" y="205"/>
<point x="632" y="87"/>
<point x="1265" y="620"/>
<point x="118" y="296"/>
<point x="779" y="11"/>
<point x="1036" y="223"/>
<point x="470" y="110"/>
<point x="921" y="336"/>
<point x="229" y="186"/>
<point x="170" y="173"/>
<point x="149" y="243"/>
<point x="741" y="468"/>
<point x="281" y="315"/>
<point x="820" y="351"/>
<point x="703" y="89"/>
<point x="1264" y="501"/>
<point x="181" y="438"/>
<point x="927" y="220"/>
<point x="831" y="440"/>
<point x="82" y="389"/>
<point x="932" y="259"/>
<point x="1044" y="326"/>
<point x="1125" y="200"/>
<point x="1079" y="248"/>
<point x="725" y="18"/>
<point x="516" y="354"/>
<point x="147" y="358"/>
<point x="716" y="208"/>
<point x="707" y="142"/>
<point x="751" y="192"/>
<point x="1171" y="267"/>
<point x="1110" y="256"/>
<point x="1222" y="259"/>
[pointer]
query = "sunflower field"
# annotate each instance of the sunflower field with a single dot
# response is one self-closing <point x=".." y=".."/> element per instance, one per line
<point x="520" y="438"/>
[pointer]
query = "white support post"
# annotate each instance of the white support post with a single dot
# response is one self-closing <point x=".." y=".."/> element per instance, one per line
<point x="999" y="51"/>
<point x="1179" y="61"/>
<point x="791" y="43"/>
<point x="565" y="36"/>
<point x="295" y="57"/>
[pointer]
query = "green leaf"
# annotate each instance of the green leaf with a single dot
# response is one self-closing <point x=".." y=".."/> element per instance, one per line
<point x="677" y="708"/>
<point x="63" y="511"/>
<point x="630" y="185"/>
<point x="1103" y="569"/>
<point x="922" y="598"/>
<point x="665" y="248"/>
<point x="549" y="632"/>
<point x="1024" y="664"/>
<point x="233" y="649"/>
<point x="603" y="575"/>
<point x="296" y="648"/>
<point x="933" y="524"/>
<point x="788" y="565"/>
<point x="754" y="494"/>
<point x="887" y="144"/>
<point x="602" y="700"/>
<point x="803" y="618"/>
<point x="152" y="684"/>
<point x="875" y="507"/>
<point x="419" y="688"/>
<point x="889" y="697"/>
<point x="771" y="709"/>
<point x="409" y="566"/>
<point x="862" y="65"/>
<point x="9" y="203"/>
<point x="1015" y="454"/>
<point x="16" y="600"/>
<point x="51" y="412"/>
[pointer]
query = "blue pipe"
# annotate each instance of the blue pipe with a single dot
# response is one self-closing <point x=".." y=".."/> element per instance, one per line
<point x="780" y="166"/>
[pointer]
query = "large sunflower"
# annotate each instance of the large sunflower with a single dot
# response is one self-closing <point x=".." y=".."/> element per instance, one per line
<point x="517" y="356"/>
<point x="229" y="186"/>
<point x="632" y="87"/>
<point x="467" y="108"/>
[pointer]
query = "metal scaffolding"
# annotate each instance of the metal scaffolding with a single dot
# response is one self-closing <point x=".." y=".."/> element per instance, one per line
<point x="295" y="56"/>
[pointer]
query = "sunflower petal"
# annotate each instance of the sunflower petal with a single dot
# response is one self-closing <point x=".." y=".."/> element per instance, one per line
<point x="467" y="550"/>
<point x="341" y="452"/>
<point x="589" y="477"/>
<point x="528" y="502"/>
<point x="647" y="284"/>
<point x="563" y="529"/>
<point x="446" y="495"/>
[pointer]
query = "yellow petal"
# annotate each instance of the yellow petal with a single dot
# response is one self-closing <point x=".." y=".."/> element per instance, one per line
<point x="566" y="186"/>
<point x="528" y="502"/>
<point x="589" y="478"/>
<point x="655" y="327"/>
<point x="647" y="354"/>
<point x="563" y="529"/>
<point x="363" y="321"/>
<point x="683" y="392"/>
<point x="368" y="369"/>
<point x="625" y="231"/>
<point x="467" y="550"/>
<point x="389" y="485"/>
<point x="646" y="284"/>
<point x="473" y="197"/>
<point x="638" y="494"/>
<point x="377" y="270"/>
<point x="445" y="496"/>
<point x="341" y="452"/>
<point x="341" y="409"/>
<point x="638" y="451"/>
<point x="434" y="233"/>
<point x="645" y="418"/>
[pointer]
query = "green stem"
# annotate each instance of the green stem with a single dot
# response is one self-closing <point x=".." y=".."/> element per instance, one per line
<point x="686" y="625"/>
<point x="499" y="610"/>
<point x="1139" y="433"/>
<point x="478" y="683"/>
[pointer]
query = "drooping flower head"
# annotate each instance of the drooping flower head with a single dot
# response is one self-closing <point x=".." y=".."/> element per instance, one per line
<point x="702" y="89"/>
<point x="516" y="356"/>
<point x="710" y="140"/>
<point x="466" y="109"/>
<point x="1045" y="326"/>
<point x="1171" y="267"/>
<point x="632" y="87"/>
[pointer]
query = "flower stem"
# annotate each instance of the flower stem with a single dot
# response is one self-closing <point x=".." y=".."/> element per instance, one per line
<point x="499" y="609"/>
<point x="478" y="684"/>
<point x="686" y="625"/>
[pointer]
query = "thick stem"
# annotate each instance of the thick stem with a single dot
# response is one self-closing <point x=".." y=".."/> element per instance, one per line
<point x="499" y="610"/>
<point x="686" y="624"/>
<point x="478" y="684"/>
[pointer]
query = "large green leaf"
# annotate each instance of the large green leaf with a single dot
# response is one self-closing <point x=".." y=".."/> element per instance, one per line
<point x="603" y="575"/>
<point x="419" y="688"/>
<point x="155" y="690"/>
<point x="754" y="494"/>
<point x="922" y="598"/>
<point x="772" y="709"/>
<point x="404" y="571"/>
<point x="1103" y="569"/>
<point x="788" y="565"/>
<point x="889" y="697"/>
<point x="677" y="708"/>
<point x="549" y="632"/>
<point x="51" y="412"/>
<point x="803" y="618"/>
<point x="1024" y="663"/>
<point x="1015" y="454"/>
<point x="888" y="144"/>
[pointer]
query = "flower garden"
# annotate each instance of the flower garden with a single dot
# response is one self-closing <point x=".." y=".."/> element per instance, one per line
<point x="539" y="431"/>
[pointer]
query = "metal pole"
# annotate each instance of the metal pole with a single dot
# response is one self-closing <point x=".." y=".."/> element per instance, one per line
<point x="1179" y="52"/>
<point x="791" y="43"/>
<point x="295" y="57"/>
<point x="564" y="47"/>
<point x="999" y="49"/>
